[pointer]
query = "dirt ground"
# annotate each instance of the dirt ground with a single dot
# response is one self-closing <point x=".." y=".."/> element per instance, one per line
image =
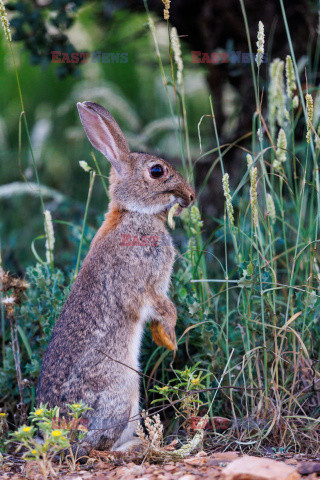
<point x="198" y="467"/>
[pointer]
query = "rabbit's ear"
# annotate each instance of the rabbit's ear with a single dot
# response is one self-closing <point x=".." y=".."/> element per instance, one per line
<point x="105" y="134"/>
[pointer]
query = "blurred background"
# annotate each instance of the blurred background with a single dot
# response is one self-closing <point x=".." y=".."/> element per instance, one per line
<point x="132" y="89"/>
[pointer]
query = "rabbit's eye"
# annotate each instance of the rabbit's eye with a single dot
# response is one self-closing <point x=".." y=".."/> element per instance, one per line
<point x="156" y="171"/>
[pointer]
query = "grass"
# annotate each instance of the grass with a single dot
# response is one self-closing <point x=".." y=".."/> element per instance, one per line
<point x="248" y="293"/>
<point x="264" y="296"/>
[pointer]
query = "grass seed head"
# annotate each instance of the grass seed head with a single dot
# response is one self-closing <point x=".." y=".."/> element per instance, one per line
<point x="166" y="11"/>
<point x="48" y="226"/>
<point x="226" y="190"/>
<point x="295" y="102"/>
<point x="85" y="166"/>
<point x="254" y="195"/>
<point x="282" y="146"/>
<point x="276" y="94"/>
<point x="290" y="77"/>
<point x="260" y="44"/>
<point x="271" y="209"/>
<point x="5" y="21"/>
<point x="176" y="47"/>
<point x="309" y="102"/>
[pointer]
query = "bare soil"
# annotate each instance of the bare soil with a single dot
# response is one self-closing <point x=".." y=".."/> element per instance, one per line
<point x="103" y="465"/>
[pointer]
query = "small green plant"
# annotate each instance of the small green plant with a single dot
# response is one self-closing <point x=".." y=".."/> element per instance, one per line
<point x="50" y="434"/>
<point x="77" y="428"/>
<point x="3" y="430"/>
<point x="184" y="391"/>
<point x="33" y="314"/>
<point x="280" y="450"/>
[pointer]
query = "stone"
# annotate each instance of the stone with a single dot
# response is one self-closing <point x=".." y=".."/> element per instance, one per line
<point x="306" y="468"/>
<point x="255" y="468"/>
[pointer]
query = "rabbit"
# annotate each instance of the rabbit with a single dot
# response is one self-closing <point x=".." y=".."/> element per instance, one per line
<point x="93" y="353"/>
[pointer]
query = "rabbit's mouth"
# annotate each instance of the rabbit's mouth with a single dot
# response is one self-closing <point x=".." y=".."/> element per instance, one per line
<point x="178" y="211"/>
<point x="182" y="205"/>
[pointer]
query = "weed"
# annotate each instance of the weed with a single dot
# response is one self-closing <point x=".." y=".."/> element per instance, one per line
<point x="53" y="439"/>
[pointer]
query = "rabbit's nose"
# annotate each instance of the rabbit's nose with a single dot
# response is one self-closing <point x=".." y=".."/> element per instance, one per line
<point x="187" y="200"/>
<point x="191" y="197"/>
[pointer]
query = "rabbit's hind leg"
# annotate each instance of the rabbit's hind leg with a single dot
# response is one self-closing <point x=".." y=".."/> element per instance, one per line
<point x="106" y="423"/>
<point x="133" y="446"/>
<point x="128" y="439"/>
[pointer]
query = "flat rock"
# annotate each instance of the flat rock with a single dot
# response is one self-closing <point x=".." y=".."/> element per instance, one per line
<point x="225" y="456"/>
<point x="255" y="468"/>
<point x="187" y="477"/>
<point x="306" y="468"/>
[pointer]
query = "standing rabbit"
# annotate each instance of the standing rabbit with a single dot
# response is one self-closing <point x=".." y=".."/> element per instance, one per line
<point x="122" y="283"/>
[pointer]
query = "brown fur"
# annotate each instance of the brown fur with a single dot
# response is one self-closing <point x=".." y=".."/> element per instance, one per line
<point x="112" y="219"/>
<point x="93" y="354"/>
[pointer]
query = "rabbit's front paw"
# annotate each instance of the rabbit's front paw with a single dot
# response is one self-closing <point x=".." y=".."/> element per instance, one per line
<point x="163" y="336"/>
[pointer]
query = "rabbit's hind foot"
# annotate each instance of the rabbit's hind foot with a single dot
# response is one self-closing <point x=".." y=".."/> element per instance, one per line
<point x="132" y="446"/>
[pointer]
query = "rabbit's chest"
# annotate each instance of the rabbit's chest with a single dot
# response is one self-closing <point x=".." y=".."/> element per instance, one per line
<point x="156" y="252"/>
<point x="150" y="244"/>
<point x="163" y="255"/>
<point x="147" y="256"/>
<point x="146" y="252"/>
